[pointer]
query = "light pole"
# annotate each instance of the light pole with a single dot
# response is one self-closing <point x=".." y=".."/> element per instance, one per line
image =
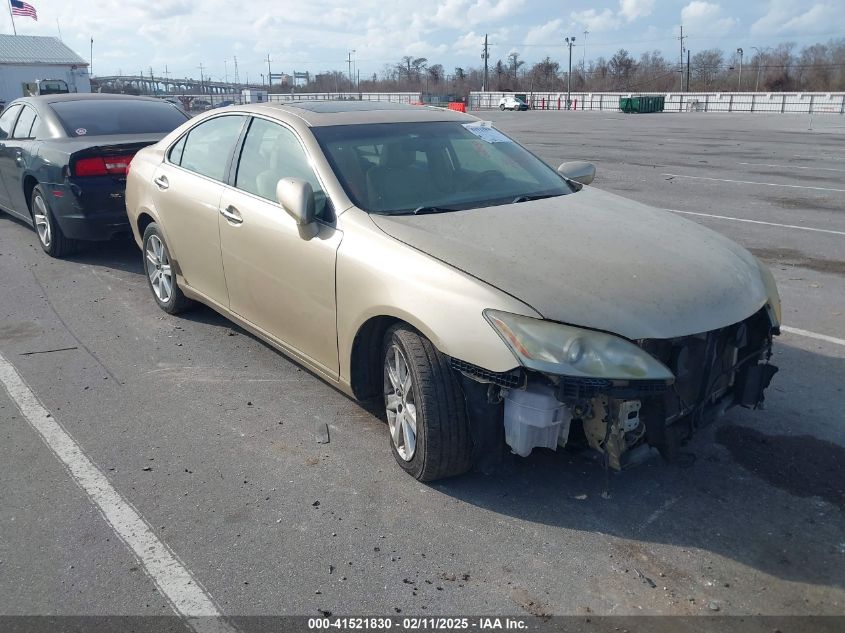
<point x="739" y="79"/>
<point x="570" y="42"/>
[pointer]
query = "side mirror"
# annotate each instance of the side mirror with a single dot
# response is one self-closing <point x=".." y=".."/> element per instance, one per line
<point x="578" y="170"/>
<point x="297" y="198"/>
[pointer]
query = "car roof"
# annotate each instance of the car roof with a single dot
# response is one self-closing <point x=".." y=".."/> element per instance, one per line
<point x="322" y="113"/>
<point x="85" y="96"/>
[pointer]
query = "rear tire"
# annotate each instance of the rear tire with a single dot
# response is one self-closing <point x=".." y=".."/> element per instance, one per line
<point x="50" y="235"/>
<point x="426" y="412"/>
<point x="160" y="275"/>
<point x="502" y="106"/>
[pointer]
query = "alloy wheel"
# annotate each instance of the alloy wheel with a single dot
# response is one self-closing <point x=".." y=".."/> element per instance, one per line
<point x="158" y="269"/>
<point x="42" y="222"/>
<point x="399" y="402"/>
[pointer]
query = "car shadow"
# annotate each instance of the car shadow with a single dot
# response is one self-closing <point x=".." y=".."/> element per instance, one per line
<point x="120" y="254"/>
<point x="759" y="487"/>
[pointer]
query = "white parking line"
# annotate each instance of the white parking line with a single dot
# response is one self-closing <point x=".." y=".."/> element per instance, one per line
<point x="785" y="226"/>
<point x="794" y="167"/>
<point x="187" y="598"/>
<point x="815" y="335"/>
<point x="750" y="182"/>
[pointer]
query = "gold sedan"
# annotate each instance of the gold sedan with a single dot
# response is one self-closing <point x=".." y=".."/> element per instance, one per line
<point x="422" y="256"/>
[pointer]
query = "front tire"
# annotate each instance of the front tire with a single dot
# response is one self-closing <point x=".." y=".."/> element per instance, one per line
<point x="426" y="413"/>
<point x="50" y="235"/>
<point x="160" y="274"/>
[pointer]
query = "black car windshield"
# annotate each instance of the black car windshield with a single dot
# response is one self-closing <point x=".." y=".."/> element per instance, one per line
<point x="100" y="117"/>
<point x="435" y="166"/>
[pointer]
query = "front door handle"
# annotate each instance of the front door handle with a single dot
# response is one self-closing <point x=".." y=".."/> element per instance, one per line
<point x="232" y="215"/>
<point x="161" y="182"/>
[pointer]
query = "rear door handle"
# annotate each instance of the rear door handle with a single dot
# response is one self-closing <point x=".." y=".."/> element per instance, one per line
<point x="232" y="215"/>
<point x="161" y="182"/>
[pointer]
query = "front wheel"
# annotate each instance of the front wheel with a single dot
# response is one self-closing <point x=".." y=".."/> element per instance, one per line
<point x="50" y="235"/>
<point x="160" y="273"/>
<point x="426" y="414"/>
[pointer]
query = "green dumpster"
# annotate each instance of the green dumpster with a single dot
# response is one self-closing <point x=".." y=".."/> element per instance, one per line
<point x="642" y="104"/>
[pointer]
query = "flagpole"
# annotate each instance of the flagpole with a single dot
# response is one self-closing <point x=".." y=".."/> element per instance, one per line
<point x="11" y="15"/>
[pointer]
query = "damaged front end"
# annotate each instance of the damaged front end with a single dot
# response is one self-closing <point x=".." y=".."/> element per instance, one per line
<point x="654" y="391"/>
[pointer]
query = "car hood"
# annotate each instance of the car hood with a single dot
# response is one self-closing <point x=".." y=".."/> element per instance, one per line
<point x="596" y="260"/>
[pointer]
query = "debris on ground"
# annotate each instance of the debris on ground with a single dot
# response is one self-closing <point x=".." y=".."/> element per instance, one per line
<point x="321" y="430"/>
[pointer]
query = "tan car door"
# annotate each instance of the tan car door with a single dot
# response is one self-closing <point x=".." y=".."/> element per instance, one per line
<point x="188" y="186"/>
<point x="277" y="280"/>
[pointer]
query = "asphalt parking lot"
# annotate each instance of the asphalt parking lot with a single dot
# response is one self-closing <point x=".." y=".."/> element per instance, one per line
<point x="210" y="435"/>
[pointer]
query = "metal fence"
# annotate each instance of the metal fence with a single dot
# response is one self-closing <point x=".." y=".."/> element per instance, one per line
<point x="756" y="102"/>
<point x="394" y="97"/>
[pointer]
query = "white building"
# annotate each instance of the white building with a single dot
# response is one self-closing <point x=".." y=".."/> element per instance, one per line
<point x="25" y="58"/>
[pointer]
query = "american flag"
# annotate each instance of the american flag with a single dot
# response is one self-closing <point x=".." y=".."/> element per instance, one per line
<point x="23" y="8"/>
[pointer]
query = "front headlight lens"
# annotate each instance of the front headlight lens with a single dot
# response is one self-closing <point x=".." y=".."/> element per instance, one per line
<point x="554" y="348"/>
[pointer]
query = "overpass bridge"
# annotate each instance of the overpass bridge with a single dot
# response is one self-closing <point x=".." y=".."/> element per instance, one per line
<point x="151" y="85"/>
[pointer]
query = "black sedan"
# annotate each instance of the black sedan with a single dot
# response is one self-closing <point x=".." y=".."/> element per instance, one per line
<point x="64" y="159"/>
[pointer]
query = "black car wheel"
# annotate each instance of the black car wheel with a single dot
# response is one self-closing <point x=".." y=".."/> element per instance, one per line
<point x="426" y="413"/>
<point x="50" y="235"/>
<point x="160" y="273"/>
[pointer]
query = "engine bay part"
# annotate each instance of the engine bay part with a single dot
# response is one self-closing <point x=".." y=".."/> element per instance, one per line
<point x="535" y="418"/>
<point x="712" y="372"/>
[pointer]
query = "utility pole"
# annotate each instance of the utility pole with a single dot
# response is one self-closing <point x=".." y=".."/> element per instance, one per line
<point x="687" y="70"/>
<point x="570" y="42"/>
<point x="237" y="77"/>
<point x="759" y="64"/>
<point x="739" y="79"/>
<point x="152" y="81"/>
<point x="485" y="55"/>
<point x="584" y="58"/>
<point x="681" y="65"/>
<point x="349" y="66"/>
<point x="91" y="62"/>
<point x="202" y="79"/>
<point x="226" y="71"/>
<point x="269" y="74"/>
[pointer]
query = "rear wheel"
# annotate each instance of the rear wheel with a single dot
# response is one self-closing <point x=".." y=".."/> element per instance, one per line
<point x="50" y="235"/>
<point x="501" y="106"/>
<point x="426" y="414"/>
<point x="160" y="274"/>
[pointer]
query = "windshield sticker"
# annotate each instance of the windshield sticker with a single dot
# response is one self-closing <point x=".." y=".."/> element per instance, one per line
<point x="81" y="131"/>
<point x="486" y="132"/>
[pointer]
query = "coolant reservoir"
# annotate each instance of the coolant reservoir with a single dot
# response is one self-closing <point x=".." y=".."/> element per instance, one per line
<point x="535" y="418"/>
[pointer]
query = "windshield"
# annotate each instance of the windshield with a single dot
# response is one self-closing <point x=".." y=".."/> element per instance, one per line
<point x="398" y="168"/>
<point x="98" y="117"/>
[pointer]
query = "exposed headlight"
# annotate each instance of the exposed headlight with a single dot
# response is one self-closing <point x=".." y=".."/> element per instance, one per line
<point x="553" y="348"/>
<point x="771" y="292"/>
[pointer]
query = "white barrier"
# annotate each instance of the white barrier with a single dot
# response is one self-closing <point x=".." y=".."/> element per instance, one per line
<point x="757" y="102"/>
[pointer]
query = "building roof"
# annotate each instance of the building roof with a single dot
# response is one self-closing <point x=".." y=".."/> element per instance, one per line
<point x="34" y="49"/>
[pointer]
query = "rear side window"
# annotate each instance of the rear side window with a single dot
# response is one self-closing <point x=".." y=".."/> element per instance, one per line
<point x="208" y="146"/>
<point x="26" y="122"/>
<point x="99" y="117"/>
<point x="7" y="120"/>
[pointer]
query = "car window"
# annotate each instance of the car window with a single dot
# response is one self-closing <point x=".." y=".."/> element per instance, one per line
<point x="272" y="152"/>
<point x="175" y="155"/>
<point x="8" y="120"/>
<point x="25" y="123"/>
<point x="209" y="146"/>
<point x="93" y="117"/>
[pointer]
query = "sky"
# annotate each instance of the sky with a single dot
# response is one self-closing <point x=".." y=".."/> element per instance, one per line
<point x="318" y="35"/>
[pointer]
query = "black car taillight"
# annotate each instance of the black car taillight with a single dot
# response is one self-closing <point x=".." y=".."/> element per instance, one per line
<point x="102" y="166"/>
